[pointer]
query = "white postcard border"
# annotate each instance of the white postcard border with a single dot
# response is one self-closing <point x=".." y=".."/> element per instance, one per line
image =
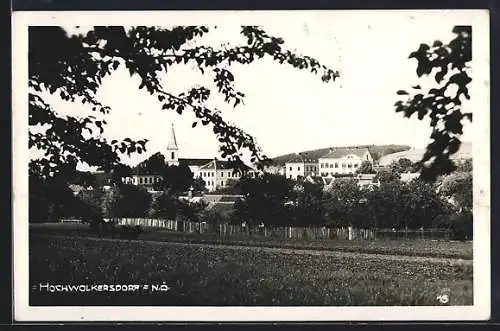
<point x="479" y="19"/>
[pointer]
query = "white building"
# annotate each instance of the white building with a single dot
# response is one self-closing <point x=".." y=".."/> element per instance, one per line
<point x="342" y="161"/>
<point x="275" y="169"/>
<point x="146" y="180"/>
<point x="301" y="167"/>
<point x="218" y="174"/>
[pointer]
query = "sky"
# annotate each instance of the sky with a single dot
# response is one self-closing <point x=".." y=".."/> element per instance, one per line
<point x="286" y="109"/>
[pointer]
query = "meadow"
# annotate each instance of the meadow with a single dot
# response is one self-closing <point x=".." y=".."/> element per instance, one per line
<point x="414" y="247"/>
<point x="243" y="276"/>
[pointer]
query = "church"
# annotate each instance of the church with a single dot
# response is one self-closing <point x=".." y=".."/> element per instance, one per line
<point x="215" y="173"/>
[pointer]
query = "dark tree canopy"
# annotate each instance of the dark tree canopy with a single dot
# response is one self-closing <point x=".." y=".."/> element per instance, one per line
<point x="126" y="201"/>
<point x="449" y="64"/>
<point x="365" y="168"/>
<point x="73" y="67"/>
<point x="402" y="165"/>
<point x="264" y="199"/>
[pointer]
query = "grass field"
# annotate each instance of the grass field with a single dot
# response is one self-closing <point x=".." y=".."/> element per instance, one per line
<point x="430" y="248"/>
<point x="248" y="276"/>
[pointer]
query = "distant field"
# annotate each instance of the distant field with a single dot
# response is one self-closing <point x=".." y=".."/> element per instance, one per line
<point x="449" y="249"/>
<point x="208" y="275"/>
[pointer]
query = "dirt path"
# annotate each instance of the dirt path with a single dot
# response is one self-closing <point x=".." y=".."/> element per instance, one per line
<point x="382" y="257"/>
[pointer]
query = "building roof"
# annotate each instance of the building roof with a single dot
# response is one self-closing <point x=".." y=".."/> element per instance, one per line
<point x="222" y="165"/>
<point x="194" y="162"/>
<point x="337" y="153"/>
<point x="148" y="174"/>
<point x="302" y="158"/>
<point x="172" y="142"/>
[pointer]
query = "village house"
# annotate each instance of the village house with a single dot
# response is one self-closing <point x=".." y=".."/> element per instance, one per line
<point x="343" y="161"/>
<point x="147" y="181"/>
<point x="218" y="174"/>
<point x="301" y="166"/>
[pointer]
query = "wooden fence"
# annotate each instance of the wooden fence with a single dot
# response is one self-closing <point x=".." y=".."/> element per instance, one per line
<point x="229" y="230"/>
<point x="286" y="232"/>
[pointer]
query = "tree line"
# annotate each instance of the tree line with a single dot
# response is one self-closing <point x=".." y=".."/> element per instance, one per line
<point x="274" y="200"/>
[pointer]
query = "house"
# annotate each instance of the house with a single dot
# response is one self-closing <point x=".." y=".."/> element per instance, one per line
<point x="218" y="174"/>
<point x="275" y="169"/>
<point x="343" y="160"/>
<point x="147" y="181"/>
<point x="301" y="166"/>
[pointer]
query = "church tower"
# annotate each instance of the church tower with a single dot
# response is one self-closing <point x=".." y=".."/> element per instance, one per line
<point x="172" y="150"/>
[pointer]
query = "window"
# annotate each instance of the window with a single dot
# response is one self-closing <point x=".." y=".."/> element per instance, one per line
<point x="336" y="165"/>
<point x="290" y="176"/>
<point x="290" y="168"/>
<point x="140" y="180"/>
<point x="349" y="165"/>
<point x="321" y="165"/>
<point x="222" y="174"/>
<point x="298" y="168"/>
<point x="356" y="165"/>
<point x="331" y="165"/>
<point x="221" y="183"/>
<point x="172" y="155"/>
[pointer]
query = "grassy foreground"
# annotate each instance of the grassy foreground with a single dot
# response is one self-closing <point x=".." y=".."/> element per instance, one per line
<point x="416" y="247"/>
<point x="220" y="276"/>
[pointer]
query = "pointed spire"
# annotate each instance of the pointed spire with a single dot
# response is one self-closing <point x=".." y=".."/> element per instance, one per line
<point x="172" y="143"/>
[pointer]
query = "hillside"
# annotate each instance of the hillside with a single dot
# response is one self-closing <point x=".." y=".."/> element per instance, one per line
<point x="377" y="151"/>
<point x="414" y="155"/>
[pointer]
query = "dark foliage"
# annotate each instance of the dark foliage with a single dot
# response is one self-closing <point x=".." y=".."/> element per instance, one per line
<point x="73" y="68"/>
<point x="449" y="65"/>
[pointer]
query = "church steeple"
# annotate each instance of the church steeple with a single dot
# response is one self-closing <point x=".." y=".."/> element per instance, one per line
<point x="172" y="158"/>
<point x="172" y="143"/>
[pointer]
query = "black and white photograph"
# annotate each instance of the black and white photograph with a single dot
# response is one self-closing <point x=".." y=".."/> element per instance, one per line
<point x="251" y="165"/>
